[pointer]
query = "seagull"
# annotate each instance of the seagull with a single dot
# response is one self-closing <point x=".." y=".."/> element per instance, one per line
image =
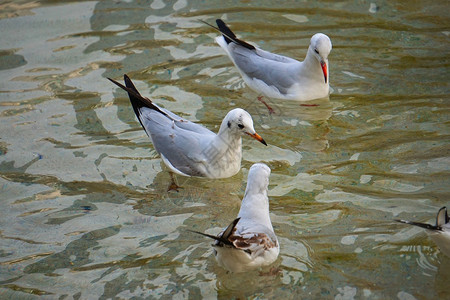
<point x="277" y="76"/>
<point x="249" y="242"/>
<point x="439" y="233"/>
<point x="190" y="149"/>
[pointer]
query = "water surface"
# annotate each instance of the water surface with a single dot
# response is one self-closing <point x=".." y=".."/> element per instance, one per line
<point x="85" y="212"/>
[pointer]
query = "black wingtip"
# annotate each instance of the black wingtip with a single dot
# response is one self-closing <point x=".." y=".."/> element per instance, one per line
<point x="441" y="219"/>
<point x="133" y="93"/>
<point x="204" y="234"/>
<point x="137" y="101"/>
<point x="223" y="238"/>
<point x="115" y="82"/>
<point x="220" y="239"/>
<point x="229" y="36"/>
<point x="227" y="232"/>
<point x="418" y="224"/>
<point x="129" y="83"/>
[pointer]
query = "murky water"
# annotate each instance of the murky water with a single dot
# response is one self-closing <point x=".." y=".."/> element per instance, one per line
<point x="85" y="211"/>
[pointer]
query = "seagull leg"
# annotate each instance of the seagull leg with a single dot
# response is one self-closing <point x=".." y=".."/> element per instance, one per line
<point x="271" y="111"/>
<point x="173" y="185"/>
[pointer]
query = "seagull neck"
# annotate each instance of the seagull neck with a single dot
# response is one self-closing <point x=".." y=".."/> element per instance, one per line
<point x="255" y="206"/>
<point x="227" y="139"/>
<point x="311" y="61"/>
<point x="312" y="69"/>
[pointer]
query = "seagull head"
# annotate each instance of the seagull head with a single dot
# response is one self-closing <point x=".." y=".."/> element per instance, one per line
<point x="258" y="179"/>
<point x="320" y="47"/>
<point x="259" y="172"/>
<point x="238" y="121"/>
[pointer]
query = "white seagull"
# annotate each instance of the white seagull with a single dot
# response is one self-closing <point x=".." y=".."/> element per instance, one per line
<point x="439" y="233"/>
<point x="279" y="76"/>
<point x="190" y="149"/>
<point x="249" y="242"/>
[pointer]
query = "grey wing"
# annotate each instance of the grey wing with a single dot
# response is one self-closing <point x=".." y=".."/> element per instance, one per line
<point x="185" y="124"/>
<point x="181" y="147"/>
<point x="277" y="73"/>
<point x="275" y="57"/>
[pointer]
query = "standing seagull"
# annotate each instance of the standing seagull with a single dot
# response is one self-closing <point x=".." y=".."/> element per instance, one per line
<point x="279" y="76"/>
<point x="190" y="149"/>
<point x="439" y="233"/>
<point x="249" y="242"/>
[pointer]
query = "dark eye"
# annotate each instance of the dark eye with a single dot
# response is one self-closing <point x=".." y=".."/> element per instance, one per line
<point x="315" y="50"/>
<point x="240" y="126"/>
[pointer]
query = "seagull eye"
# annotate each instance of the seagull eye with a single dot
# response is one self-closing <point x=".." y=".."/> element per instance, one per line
<point x="315" y="50"/>
<point x="240" y="126"/>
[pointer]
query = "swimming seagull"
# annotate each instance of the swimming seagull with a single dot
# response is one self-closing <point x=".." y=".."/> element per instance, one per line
<point x="190" y="149"/>
<point x="279" y="76"/>
<point x="249" y="242"/>
<point x="439" y="233"/>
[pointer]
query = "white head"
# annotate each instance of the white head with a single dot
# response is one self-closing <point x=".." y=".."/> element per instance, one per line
<point x="258" y="178"/>
<point x="320" y="48"/>
<point x="238" y="122"/>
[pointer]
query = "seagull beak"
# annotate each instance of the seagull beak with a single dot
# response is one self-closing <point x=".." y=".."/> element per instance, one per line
<point x="257" y="137"/>
<point x="324" y="70"/>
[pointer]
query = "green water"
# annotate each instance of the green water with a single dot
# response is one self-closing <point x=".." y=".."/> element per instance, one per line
<point x="84" y="207"/>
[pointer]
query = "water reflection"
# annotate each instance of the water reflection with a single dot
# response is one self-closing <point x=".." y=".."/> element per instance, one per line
<point x="86" y="212"/>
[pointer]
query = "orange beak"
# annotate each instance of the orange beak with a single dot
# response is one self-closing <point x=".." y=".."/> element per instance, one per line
<point x="324" y="70"/>
<point x="257" y="137"/>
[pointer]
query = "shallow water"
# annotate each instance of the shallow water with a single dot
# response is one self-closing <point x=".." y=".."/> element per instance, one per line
<point x="85" y="211"/>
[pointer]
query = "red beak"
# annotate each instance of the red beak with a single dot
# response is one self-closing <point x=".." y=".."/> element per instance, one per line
<point x="324" y="70"/>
